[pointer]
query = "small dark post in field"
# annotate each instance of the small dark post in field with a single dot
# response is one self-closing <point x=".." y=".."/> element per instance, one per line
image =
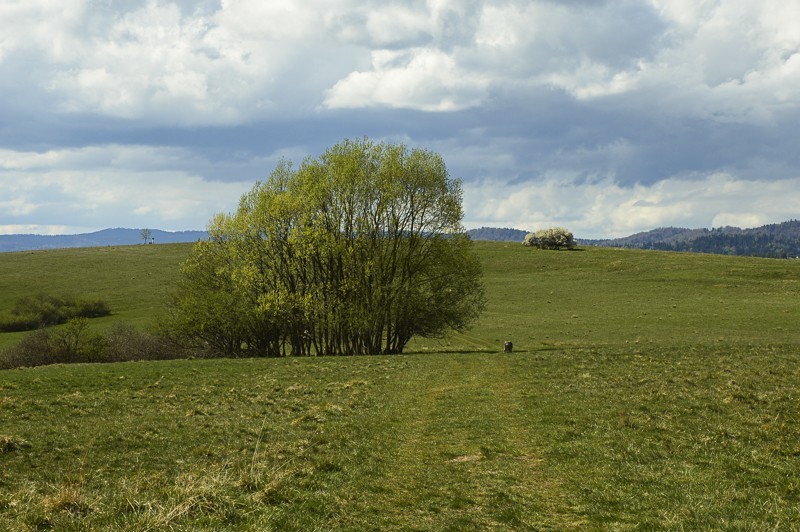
<point x="508" y="347"/>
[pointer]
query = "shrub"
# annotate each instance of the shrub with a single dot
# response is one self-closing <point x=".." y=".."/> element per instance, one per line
<point x="124" y="342"/>
<point x="42" y="310"/>
<point x="33" y="350"/>
<point x="552" y="238"/>
<point x="74" y="343"/>
<point x="48" y="346"/>
<point x="531" y="240"/>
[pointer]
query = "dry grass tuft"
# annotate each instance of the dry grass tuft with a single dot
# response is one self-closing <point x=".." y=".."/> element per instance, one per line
<point x="465" y="458"/>
<point x="69" y="498"/>
<point x="10" y="444"/>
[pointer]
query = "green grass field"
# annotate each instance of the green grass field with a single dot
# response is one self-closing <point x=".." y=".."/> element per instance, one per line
<point x="133" y="280"/>
<point x="646" y="390"/>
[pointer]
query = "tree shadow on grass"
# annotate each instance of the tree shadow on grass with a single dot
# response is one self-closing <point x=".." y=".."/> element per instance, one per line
<point x="462" y="351"/>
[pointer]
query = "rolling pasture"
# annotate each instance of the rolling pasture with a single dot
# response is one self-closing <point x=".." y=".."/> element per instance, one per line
<point x="646" y="389"/>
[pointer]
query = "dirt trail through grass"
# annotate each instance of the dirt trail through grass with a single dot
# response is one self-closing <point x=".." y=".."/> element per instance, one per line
<point x="463" y="452"/>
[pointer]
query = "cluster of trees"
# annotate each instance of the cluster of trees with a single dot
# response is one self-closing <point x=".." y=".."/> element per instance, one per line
<point x="551" y="238"/>
<point x="497" y="234"/>
<point x="354" y="252"/>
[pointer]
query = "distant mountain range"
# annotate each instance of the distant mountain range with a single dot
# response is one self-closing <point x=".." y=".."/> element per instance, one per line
<point x="775" y="240"/>
<point x="106" y="237"/>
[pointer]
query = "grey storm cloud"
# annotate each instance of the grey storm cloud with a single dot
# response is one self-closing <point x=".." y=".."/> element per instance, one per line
<point x="614" y="116"/>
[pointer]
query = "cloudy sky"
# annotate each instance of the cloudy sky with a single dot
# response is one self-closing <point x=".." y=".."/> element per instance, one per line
<point x="607" y="117"/>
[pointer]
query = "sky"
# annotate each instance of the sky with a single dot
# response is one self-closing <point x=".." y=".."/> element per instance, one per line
<point x="605" y="117"/>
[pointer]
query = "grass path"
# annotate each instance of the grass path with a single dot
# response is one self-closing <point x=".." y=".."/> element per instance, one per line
<point x="461" y="453"/>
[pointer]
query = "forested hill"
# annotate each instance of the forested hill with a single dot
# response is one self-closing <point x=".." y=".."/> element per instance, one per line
<point x="106" y="237"/>
<point x="774" y="240"/>
<point x="501" y="234"/>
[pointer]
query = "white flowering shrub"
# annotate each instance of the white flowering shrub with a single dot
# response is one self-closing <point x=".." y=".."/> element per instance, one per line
<point x="552" y="238"/>
<point x="531" y="240"/>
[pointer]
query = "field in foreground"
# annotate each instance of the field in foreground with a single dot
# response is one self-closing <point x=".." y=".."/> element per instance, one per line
<point x="648" y="389"/>
<point x="561" y="439"/>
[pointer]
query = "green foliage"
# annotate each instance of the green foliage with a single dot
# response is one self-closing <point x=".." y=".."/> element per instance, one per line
<point x="208" y="313"/>
<point x="42" y="310"/>
<point x="355" y="252"/>
<point x="551" y="238"/>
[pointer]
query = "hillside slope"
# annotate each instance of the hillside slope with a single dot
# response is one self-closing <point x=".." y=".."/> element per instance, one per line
<point x="135" y="281"/>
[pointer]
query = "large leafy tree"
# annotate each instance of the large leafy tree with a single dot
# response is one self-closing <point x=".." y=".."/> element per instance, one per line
<point x="354" y="252"/>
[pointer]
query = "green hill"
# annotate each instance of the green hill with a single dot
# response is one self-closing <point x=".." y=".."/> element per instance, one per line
<point x="134" y="280"/>
<point x="588" y="298"/>
<point x="647" y="389"/>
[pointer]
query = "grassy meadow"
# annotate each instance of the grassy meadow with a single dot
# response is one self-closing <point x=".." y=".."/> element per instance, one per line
<point x="133" y="280"/>
<point x="646" y="390"/>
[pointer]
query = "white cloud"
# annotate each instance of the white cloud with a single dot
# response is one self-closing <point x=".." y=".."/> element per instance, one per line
<point x="397" y="25"/>
<point x="135" y="158"/>
<point x="589" y="51"/>
<point x="19" y="206"/>
<point x="35" y="229"/>
<point x="424" y="79"/>
<point x="247" y="60"/>
<point x="605" y="209"/>
<point x="152" y="62"/>
<point x="91" y="188"/>
<point x="155" y="62"/>
<point x="570" y="102"/>
<point x="47" y="26"/>
<point x="727" y="61"/>
<point x="724" y="61"/>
